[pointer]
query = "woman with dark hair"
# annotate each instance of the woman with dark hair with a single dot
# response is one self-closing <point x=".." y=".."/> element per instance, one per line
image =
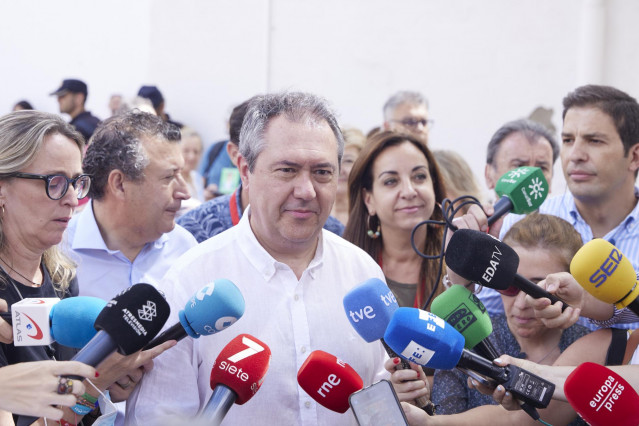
<point x="394" y="185"/>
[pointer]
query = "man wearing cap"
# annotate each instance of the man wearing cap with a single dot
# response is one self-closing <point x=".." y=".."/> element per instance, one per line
<point x="72" y="95"/>
<point x="153" y="94"/>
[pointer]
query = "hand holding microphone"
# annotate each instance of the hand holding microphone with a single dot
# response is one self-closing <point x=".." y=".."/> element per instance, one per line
<point x="6" y="331"/>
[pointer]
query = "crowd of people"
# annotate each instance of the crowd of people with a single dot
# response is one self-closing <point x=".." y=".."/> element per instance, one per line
<point x="296" y="211"/>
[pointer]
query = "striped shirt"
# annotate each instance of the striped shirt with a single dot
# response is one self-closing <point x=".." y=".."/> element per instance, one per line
<point x="624" y="236"/>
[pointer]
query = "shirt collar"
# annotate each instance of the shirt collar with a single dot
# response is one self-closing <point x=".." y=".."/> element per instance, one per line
<point x="629" y="221"/>
<point x="261" y="260"/>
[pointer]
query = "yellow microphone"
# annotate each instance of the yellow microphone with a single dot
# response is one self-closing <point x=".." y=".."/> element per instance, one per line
<point x="603" y="271"/>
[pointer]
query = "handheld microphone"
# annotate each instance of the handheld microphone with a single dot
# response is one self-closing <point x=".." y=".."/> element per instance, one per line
<point x="213" y="308"/>
<point x="127" y="323"/>
<point x="329" y="380"/>
<point x="601" y="397"/>
<point x="464" y="311"/>
<point x="68" y="321"/>
<point x="603" y="271"/>
<point x="369" y="308"/>
<point x="482" y="258"/>
<point x="522" y="191"/>
<point x="237" y="374"/>
<point x="426" y="339"/>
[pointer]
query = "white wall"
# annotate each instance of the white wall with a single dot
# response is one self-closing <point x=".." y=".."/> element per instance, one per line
<point x="479" y="63"/>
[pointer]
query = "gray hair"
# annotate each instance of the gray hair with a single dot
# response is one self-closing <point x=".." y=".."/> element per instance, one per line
<point x="403" y="97"/>
<point x="117" y="145"/>
<point x="529" y="129"/>
<point x="295" y="106"/>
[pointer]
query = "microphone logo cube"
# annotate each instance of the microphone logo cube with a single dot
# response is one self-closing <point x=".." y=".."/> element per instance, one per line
<point x="417" y="353"/>
<point x="148" y="311"/>
<point x="526" y="187"/>
<point x="30" y="319"/>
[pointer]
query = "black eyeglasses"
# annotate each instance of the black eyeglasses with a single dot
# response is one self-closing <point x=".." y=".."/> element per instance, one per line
<point x="414" y="122"/>
<point x="57" y="185"/>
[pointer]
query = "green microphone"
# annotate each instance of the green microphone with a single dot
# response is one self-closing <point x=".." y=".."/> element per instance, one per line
<point x="465" y="312"/>
<point x="522" y="190"/>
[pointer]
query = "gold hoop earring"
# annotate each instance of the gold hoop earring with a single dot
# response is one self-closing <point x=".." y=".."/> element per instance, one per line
<point x="374" y="235"/>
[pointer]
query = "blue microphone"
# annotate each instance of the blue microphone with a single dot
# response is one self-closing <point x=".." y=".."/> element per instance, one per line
<point x="72" y="320"/>
<point x="213" y="308"/>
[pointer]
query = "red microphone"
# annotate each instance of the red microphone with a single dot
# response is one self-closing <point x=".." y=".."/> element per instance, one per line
<point x="329" y="380"/>
<point x="237" y="374"/>
<point x="602" y="397"/>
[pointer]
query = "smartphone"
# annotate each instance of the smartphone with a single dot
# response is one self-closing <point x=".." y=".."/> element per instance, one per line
<point x="481" y="379"/>
<point x="377" y="405"/>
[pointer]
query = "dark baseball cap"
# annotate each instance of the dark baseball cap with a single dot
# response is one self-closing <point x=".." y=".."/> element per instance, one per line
<point x="71" y="85"/>
<point x="151" y="93"/>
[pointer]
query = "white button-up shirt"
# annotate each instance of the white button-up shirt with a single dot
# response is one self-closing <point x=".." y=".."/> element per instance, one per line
<point x="293" y="317"/>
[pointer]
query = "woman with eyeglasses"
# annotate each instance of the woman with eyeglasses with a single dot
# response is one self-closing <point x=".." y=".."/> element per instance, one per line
<point x="545" y="244"/>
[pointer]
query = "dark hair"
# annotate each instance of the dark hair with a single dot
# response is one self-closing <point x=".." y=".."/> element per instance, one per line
<point x="621" y="107"/>
<point x="24" y="105"/>
<point x="296" y="107"/>
<point x="531" y="130"/>
<point x="117" y="145"/>
<point x="361" y="177"/>
<point x="236" y="120"/>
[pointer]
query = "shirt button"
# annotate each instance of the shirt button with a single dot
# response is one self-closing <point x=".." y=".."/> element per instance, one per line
<point x="307" y="404"/>
<point x="303" y="349"/>
<point x="297" y="297"/>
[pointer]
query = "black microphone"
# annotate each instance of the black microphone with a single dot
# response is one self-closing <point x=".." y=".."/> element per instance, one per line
<point x="482" y="258"/>
<point x="126" y="324"/>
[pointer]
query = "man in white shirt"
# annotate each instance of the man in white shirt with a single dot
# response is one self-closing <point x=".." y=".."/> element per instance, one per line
<point x="127" y="233"/>
<point x="293" y="275"/>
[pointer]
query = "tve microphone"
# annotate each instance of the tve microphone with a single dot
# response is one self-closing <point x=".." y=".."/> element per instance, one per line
<point x="603" y="271"/>
<point x="464" y="311"/>
<point x="602" y="397"/>
<point x="213" y="308"/>
<point x="127" y="323"/>
<point x="522" y="190"/>
<point x="482" y="258"/>
<point x="426" y="339"/>
<point x="369" y="308"/>
<point x="329" y="380"/>
<point x="68" y="321"/>
<point x="238" y="373"/>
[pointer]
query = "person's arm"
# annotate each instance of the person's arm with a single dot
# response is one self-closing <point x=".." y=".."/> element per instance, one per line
<point x="6" y="331"/>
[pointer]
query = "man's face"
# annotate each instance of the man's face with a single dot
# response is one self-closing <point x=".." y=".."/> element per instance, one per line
<point x="410" y="118"/>
<point x="67" y="102"/>
<point x="517" y="151"/>
<point x="293" y="186"/>
<point x="154" y="200"/>
<point x="592" y="155"/>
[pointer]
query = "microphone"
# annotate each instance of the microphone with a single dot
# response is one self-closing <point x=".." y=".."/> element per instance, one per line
<point x="127" y="323"/>
<point x="426" y="339"/>
<point x="213" y="308"/>
<point x="522" y="190"/>
<point x="329" y="380"/>
<point x="237" y="374"/>
<point x="465" y="312"/>
<point x="603" y="271"/>
<point x="42" y="321"/>
<point x="482" y="258"/>
<point x="601" y="397"/>
<point x="369" y="308"/>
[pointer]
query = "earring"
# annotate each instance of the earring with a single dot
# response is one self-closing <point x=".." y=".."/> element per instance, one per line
<point x="374" y="235"/>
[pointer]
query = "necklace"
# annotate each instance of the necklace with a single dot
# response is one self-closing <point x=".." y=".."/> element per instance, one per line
<point x="547" y="355"/>
<point x="33" y="284"/>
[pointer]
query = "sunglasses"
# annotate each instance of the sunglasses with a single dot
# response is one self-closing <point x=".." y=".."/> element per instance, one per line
<point x="511" y="291"/>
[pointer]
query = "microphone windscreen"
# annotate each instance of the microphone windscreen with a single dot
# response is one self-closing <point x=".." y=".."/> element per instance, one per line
<point x="464" y="311"/>
<point x="603" y="271"/>
<point x="72" y="320"/>
<point x="424" y="338"/>
<point x="369" y="308"/>
<point x="134" y="317"/>
<point x="482" y="258"/>
<point x="242" y="366"/>
<point x="526" y="187"/>
<point x="601" y="396"/>
<point x="329" y="380"/>
<point x="215" y="307"/>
